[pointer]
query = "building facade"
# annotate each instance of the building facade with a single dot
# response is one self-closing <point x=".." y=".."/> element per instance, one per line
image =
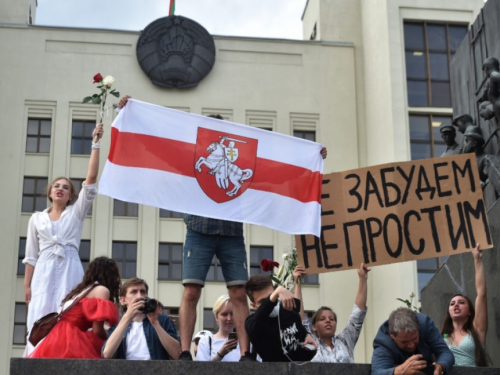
<point x="349" y="85"/>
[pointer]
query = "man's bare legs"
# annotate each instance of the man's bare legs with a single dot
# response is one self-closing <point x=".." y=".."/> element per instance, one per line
<point x="240" y="314"/>
<point x="187" y="314"/>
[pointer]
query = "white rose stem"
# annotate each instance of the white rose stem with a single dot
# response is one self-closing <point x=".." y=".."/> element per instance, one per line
<point x="103" y="104"/>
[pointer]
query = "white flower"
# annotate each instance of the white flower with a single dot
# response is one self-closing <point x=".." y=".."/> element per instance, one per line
<point x="412" y="294"/>
<point x="108" y="81"/>
<point x="285" y="255"/>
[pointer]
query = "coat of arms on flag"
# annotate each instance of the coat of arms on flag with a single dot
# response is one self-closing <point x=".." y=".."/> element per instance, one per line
<point x="224" y="164"/>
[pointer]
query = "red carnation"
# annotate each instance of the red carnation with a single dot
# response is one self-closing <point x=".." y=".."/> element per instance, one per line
<point x="97" y="78"/>
<point x="268" y="265"/>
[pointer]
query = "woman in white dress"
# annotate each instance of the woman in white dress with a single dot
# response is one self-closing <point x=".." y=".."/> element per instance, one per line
<point x="53" y="266"/>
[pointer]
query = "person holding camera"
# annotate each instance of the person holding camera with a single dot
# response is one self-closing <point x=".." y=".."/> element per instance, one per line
<point x="143" y="333"/>
<point x="222" y="345"/>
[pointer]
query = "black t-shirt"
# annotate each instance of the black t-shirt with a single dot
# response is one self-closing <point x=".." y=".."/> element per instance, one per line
<point x="267" y="339"/>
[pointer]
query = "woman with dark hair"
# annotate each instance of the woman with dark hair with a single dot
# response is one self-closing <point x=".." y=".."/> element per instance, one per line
<point x="53" y="266"/>
<point x="71" y="337"/>
<point x="466" y="324"/>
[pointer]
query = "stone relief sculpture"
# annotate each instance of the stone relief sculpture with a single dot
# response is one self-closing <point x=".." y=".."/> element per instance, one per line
<point x="448" y="133"/>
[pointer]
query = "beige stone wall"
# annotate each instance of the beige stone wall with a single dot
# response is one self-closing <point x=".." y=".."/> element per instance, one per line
<point x="349" y="88"/>
<point x="289" y="85"/>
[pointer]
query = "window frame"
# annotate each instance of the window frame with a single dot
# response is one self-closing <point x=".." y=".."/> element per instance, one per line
<point x="427" y="51"/>
<point x="38" y="135"/>
<point x="20" y="323"/>
<point x="127" y="206"/>
<point x="122" y="262"/>
<point x="81" y="138"/>
<point x="170" y="262"/>
<point x="34" y="194"/>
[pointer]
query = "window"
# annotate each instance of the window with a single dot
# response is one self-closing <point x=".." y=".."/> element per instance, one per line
<point x="81" y="137"/>
<point x="425" y="138"/>
<point x="428" y="51"/>
<point x="38" y="135"/>
<point x="209" y="320"/>
<point x="78" y="182"/>
<point x="256" y="255"/>
<point x="84" y="253"/>
<point x="121" y="208"/>
<point x="171" y="214"/>
<point x="20" y="316"/>
<point x="34" y="194"/>
<point x="311" y="279"/>
<point x="309" y="135"/>
<point x="426" y="269"/>
<point x="125" y="256"/>
<point x="21" y="254"/>
<point x="215" y="271"/>
<point x="170" y="261"/>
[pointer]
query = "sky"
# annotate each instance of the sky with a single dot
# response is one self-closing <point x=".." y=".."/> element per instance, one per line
<point x="256" y="18"/>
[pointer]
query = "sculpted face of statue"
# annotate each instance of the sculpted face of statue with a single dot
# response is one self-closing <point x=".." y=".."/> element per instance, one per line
<point x="449" y="137"/>
<point x="490" y="65"/>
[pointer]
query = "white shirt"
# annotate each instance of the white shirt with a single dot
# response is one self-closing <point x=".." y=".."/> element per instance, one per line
<point x="205" y="354"/>
<point x="137" y="347"/>
<point x="69" y="231"/>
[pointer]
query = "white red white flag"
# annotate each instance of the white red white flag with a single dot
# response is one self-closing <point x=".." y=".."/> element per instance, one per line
<point x="203" y="166"/>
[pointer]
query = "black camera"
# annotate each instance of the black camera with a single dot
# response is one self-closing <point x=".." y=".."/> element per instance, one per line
<point x="150" y="305"/>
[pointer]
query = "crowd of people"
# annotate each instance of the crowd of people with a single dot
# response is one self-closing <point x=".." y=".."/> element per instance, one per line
<point x="278" y="330"/>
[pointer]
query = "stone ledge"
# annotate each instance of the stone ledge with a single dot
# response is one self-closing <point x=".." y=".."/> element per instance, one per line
<point x="21" y="366"/>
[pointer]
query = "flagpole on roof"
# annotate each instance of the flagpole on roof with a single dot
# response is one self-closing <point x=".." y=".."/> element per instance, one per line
<point x="171" y="8"/>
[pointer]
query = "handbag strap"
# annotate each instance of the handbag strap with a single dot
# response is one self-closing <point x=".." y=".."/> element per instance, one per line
<point x="76" y="300"/>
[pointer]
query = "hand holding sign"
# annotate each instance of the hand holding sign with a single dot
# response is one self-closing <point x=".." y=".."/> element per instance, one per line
<point x="397" y="212"/>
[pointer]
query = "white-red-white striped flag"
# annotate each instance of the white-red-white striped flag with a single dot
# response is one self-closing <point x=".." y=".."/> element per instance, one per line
<point x="200" y="165"/>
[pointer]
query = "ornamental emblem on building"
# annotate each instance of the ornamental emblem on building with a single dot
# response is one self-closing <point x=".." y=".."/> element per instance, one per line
<point x="175" y="52"/>
<point x="225" y="163"/>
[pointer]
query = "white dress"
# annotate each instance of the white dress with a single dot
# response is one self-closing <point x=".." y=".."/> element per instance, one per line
<point x="52" y="248"/>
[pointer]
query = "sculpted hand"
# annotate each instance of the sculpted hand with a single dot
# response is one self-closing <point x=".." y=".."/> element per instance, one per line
<point x="123" y="101"/>
<point x="228" y="346"/>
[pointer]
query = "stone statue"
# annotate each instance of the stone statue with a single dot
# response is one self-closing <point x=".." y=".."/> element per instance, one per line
<point x="492" y="91"/>
<point x="474" y="142"/>
<point x="448" y="134"/>
<point x="462" y="122"/>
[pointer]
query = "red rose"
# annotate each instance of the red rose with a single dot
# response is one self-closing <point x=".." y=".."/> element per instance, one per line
<point x="268" y="265"/>
<point x="97" y="78"/>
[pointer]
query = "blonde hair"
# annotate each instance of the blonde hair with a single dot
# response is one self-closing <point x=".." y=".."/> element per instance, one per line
<point x="220" y="303"/>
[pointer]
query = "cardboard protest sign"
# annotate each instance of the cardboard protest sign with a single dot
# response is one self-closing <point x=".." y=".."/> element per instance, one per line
<point x="397" y="212"/>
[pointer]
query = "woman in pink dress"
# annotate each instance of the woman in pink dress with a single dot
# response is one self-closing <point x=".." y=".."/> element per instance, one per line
<point x="71" y="337"/>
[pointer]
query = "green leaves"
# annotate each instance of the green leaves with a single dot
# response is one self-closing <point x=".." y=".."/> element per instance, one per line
<point x="87" y="99"/>
<point x="96" y="100"/>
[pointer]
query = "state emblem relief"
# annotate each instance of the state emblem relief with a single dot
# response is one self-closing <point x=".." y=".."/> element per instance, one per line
<point x="224" y="163"/>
